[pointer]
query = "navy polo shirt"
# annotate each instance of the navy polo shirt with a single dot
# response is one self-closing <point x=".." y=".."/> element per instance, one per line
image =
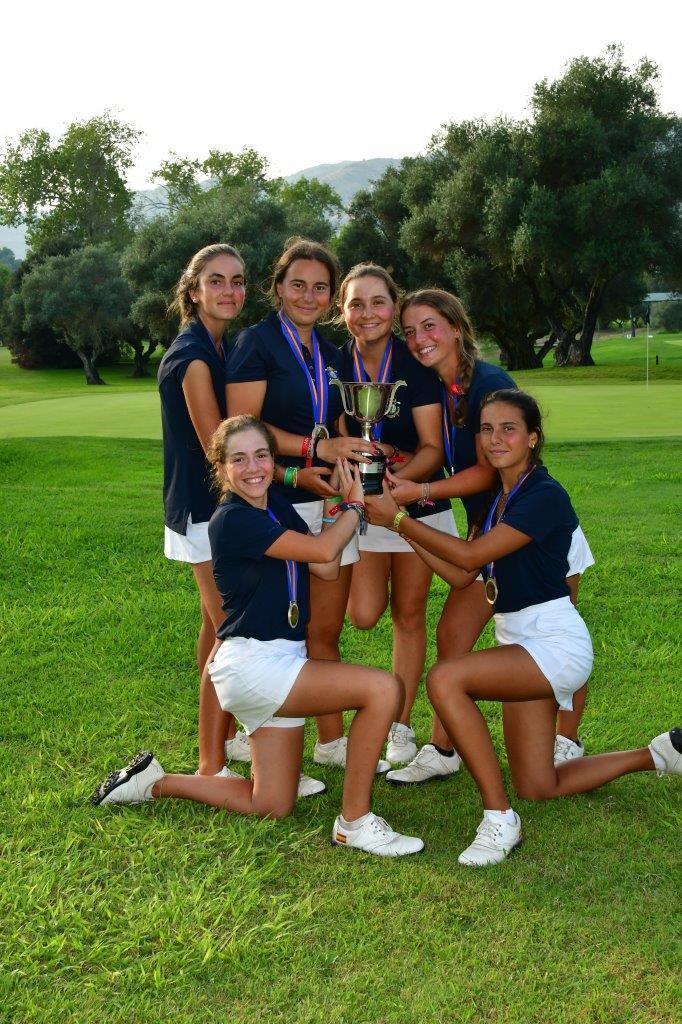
<point x="186" y="473"/>
<point x="254" y="587"/>
<point x="422" y="388"/>
<point x="537" y="572"/>
<point x="486" y="378"/>
<point x="262" y="352"/>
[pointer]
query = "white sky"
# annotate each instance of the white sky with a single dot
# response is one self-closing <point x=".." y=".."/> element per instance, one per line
<point x="305" y="82"/>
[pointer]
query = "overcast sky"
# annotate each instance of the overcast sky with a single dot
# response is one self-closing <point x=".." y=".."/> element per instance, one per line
<point x="305" y="83"/>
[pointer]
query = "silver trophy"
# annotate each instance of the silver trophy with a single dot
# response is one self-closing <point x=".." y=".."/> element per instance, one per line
<point x="368" y="402"/>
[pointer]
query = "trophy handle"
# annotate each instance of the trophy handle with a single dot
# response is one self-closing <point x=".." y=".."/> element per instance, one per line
<point x="392" y="408"/>
<point x="345" y="399"/>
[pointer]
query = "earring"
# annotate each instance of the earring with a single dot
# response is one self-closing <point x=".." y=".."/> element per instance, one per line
<point x="532" y="445"/>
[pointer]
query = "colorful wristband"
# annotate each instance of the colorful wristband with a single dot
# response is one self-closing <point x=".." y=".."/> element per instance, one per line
<point x="398" y="518"/>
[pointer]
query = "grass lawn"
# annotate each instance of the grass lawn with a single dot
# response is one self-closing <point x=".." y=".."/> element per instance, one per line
<point x="177" y="912"/>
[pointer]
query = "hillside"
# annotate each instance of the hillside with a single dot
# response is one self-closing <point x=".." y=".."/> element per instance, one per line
<point x="347" y="177"/>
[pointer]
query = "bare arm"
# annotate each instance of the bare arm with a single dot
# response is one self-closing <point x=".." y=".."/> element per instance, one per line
<point x="457" y="578"/>
<point x="468" y="555"/>
<point x="203" y="409"/>
<point x="428" y="457"/>
<point x="474" y="480"/>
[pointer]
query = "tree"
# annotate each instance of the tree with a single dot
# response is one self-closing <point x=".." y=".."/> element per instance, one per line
<point x="36" y="346"/>
<point x="239" y="205"/>
<point x="539" y="222"/>
<point x="74" y="187"/>
<point x="83" y="298"/>
<point x="8" y="259"/>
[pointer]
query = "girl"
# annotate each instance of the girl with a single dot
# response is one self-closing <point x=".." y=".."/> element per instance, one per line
<point x="278" y="371"/>
<point x="368" y="299"/>
<point x="440" y="336"/>
<point x="191" y="378"/>
<point x="545" y="652"/>
<point x="262" y="554"/>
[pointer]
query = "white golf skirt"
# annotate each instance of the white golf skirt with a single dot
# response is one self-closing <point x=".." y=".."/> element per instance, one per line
<point x="380" y="538"/>
<point x="253" y="678"/>
<point x="193" y="547"/>
<point x="557" y="640"/>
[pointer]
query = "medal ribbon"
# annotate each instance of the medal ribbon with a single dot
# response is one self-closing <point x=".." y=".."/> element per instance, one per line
<point x="360" y="374"/>
<point x="449" y="428"/>
<point x="490" y="567"/>
<point x="317" y="385"/>
<point x="292" y="569"/>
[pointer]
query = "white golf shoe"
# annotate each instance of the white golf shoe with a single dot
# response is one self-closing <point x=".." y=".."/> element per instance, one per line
<point x="375" y="836"/>
<point x="132" y="784"/>
<point x="494" y="841"/>
<point x="427" y="766"/>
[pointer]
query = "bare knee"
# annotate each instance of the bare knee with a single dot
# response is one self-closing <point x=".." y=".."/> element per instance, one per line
<point x="275" y="809"/>
<point x="385" y="691"/>
<point x="534" y="789"/>
<point x="442" y="679"/>
<point x="409" y="620"/>
<point x="364" y="618"/>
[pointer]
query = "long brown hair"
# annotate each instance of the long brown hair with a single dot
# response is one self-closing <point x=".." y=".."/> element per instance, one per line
<point x="450" y="307"/>
<point x="182" y="303"/>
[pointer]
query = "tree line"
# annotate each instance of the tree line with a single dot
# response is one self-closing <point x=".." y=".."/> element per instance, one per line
<point x="542" y="226"/>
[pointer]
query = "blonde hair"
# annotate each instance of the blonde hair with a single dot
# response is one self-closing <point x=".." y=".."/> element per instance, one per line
<point x="359" y="271"/>
<point x="182" y="303"/>
<point x="216" y="453"/>
<point x="450" y="307"/>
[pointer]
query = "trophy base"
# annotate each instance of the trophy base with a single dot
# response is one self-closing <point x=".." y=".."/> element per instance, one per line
<point x="372" y="476"/>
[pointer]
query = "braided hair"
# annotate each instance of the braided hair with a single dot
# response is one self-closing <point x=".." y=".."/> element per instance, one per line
<point x="450" y="307"/>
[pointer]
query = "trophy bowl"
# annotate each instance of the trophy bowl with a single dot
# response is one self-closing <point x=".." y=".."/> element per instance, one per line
<point x="368" y="402"/>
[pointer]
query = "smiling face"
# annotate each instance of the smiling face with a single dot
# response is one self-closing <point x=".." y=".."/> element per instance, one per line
<point x="431" y="338"/>
<point x="249" y="466"/>
<point x="506" y="441"/>
<point x="305" y="292"/>
<point x="220" y="291"/>
<point x="368" y="310"/>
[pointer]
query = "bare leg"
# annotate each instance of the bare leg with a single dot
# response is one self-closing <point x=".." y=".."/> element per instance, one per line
<point x="271" y="794"/>
<point x="568" y="722"/>
<point x="410" y="582"/>
<point x="528" y="734"/>
<point x="215" y="725"/>
<point x="325" y="687"/>
<point x="462" y="621"/>
<point x="368" y="598"/>
<point x="328" y="600"/>
<point x="509" y="674"/>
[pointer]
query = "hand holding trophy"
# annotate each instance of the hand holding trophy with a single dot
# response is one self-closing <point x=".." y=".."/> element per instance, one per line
<point x="368" y="402"/>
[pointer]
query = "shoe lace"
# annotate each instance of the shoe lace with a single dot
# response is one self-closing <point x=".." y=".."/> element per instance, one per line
<point x="489" y="829"/>
<point x="381" y="826"/>
<point x="563" y="746"/>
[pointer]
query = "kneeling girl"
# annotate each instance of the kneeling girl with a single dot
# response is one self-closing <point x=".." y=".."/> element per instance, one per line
<point x="545" y="652"/>
<point x="262" y="555"/>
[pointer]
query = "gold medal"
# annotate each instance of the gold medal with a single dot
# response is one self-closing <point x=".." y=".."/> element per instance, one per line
<point x="293" y="614"/>
<point x="320" y="433"/>
<point x="491" y="590"/>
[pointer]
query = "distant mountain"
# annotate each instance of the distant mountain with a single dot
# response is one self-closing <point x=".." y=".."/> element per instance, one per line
<point x="347" y="177"/>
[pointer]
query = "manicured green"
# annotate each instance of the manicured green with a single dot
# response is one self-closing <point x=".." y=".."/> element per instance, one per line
<point x="177" y="912"/>
<point x="616" y="404"/>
